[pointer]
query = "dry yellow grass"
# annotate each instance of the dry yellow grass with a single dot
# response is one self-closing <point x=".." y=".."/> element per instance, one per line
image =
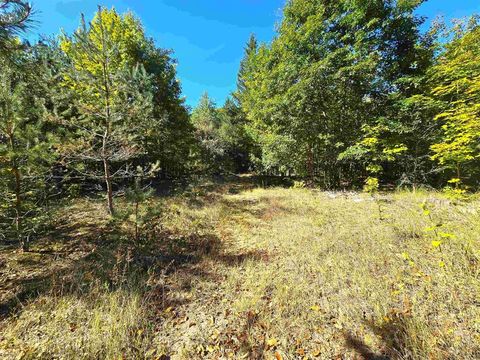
<point x="253" y="273"/>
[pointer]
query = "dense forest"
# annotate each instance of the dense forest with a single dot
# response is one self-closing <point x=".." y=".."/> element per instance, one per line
<point x="349" y="97"/>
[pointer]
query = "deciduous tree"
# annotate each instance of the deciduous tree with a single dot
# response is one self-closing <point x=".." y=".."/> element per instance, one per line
<point x="456" y="91"/>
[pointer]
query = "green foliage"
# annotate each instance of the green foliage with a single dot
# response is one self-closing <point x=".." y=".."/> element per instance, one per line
<point x="112" y="95"/>
<point x="169" y="136"/>
<point x="235" y="132"/>
<point x="14" y="19"/>
<point x="371" y="185"/>
<point x="246" y="68"/>
<point x="332" y="69"/>
<point x="455" y="87"/>
<point x="299" y="185"/>
<point x="138" y="211"/>
<point x="278" y="154"/>
<point x="211" y="148"/>
<point x="223" y="142"/>
<point x="26" y="147"/>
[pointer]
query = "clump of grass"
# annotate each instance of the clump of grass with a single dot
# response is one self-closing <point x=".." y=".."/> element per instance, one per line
<point x="101" y="324"/>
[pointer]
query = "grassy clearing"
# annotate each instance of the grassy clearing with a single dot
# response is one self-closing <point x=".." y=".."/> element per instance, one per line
<point x="244" y="272"/>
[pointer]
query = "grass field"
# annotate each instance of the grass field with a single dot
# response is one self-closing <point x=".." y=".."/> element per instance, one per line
<point x="235" y="271"/>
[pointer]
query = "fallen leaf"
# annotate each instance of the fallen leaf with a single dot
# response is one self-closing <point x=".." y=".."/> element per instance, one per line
<point x="316" y="353"/>
<point x="436" y="243"/>
<point x="272" y="342"/>
<point x="446" y="235"/>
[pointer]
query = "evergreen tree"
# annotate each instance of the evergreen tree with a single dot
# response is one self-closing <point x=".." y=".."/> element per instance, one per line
<point x="14" y="19"/>
<point x="169" y="137"/>
<point x="26" y="147"/>
<point x="113" y="97"/>
<point x="211" y="148"/>
<point x="236" y="135"/>
<point x="246" y="68"/>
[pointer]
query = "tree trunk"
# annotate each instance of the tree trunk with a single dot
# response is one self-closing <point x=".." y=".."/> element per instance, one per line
<point x="18" y="197"/>
<point x="108" y="124"/>
<point x="310" y="167"/>
<point x="137" y="235"/>
<point x="108" y="181"/>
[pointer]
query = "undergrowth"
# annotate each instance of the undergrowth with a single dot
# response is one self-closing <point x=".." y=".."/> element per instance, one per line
<point x="235" y="271"/>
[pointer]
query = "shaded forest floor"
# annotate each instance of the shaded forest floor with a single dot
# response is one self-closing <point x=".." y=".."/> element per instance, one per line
<point x="234" y="270"/>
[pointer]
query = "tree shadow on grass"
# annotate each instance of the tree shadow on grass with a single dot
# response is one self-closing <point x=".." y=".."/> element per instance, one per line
<point x="363" y="350"/>
<point x="204" y="194"/>
<point x="179" y="270"/>
<point x="63" y="251"/>
<point x="394" y="337"/>
<point x="83" y="248"/>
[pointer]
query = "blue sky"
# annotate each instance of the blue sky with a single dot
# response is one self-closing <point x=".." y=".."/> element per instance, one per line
<point x="207" y="36"/>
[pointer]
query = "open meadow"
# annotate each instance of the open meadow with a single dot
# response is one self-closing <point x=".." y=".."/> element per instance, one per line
<point x="234" y="270"/>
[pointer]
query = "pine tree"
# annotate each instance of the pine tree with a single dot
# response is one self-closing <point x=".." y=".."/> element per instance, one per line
<point x="112" y="97"/>
<point x="26" y="147"/>
<point x="15" y="17"/>
<point x="246" y="68"/>
<point x="235" y="132"/>
<point x="211" y="148"/>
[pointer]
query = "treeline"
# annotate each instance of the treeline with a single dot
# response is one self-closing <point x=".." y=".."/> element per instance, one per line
<point x="354" y="92"/>
<point x="347" y="94"/>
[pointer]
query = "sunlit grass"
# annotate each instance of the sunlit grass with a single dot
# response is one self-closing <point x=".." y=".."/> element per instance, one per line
<point x="99" y="324"/>
<point x="293" y="273"/>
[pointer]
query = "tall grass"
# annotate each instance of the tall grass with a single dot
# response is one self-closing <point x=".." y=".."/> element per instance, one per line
<point x="281" y="273"/>
<point x="100" y="324"/>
